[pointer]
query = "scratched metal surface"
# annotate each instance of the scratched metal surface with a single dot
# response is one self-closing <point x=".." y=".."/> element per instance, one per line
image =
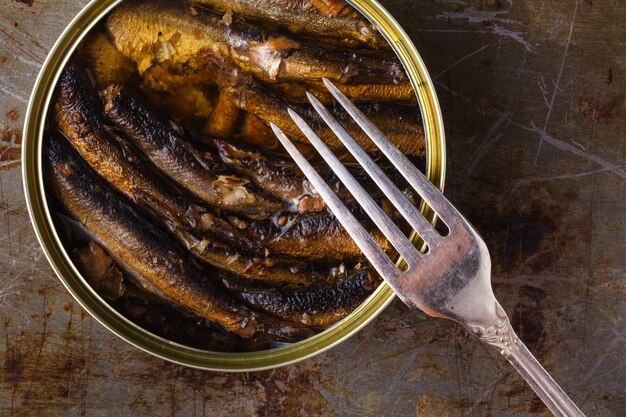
<point x="533" y="100"/>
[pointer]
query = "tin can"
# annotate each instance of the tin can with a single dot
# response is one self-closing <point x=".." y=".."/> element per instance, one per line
<point x="141" y="338"/>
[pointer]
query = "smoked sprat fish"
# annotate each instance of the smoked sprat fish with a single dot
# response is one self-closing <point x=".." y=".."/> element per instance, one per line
<point x="266" y="270"/>
<point x="274" y="173"/>
<point x="318" y="306"/>
<point x="175" y="175"/>
<point x="147" y="254"/>
<point x="316" y="236"/>
<point x="165" y="146"/>
<point x="328" y="21"/>
<point x="401" y="124"/>
<point x="145" y="309"/>
<point x="153" y="32"/>
<point x="78" y="117"/>
<point x="205" y="175"/>
<point x="234" y="253"/>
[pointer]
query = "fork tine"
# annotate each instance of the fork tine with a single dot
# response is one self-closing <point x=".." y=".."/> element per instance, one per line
<point x="399" y="241"/>
<point x="364" y="241"/>
<point x="401" y="203"/>
<point x="425" y="188"/>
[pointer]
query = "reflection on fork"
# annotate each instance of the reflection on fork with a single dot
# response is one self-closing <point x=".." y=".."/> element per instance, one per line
<point x="452" y="278"/>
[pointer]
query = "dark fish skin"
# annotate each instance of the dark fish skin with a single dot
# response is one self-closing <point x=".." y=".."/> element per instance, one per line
<point x="79" y="119"/>
<point x="317" y="306"/>
<point x="329" y="21"/>
<point x="142" y="308"/>
<point x="267" y="269"/>
<point x="316" y="236"/>
<point x="163" y="144"/>
<point x="152" y="32"/>
<point x="146" y="253"/>
<point x="274" y="173"/>
<point x="240" y="261"/>
<point x="279" y="176"/>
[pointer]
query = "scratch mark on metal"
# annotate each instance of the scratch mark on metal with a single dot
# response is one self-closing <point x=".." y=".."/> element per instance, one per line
<point x="620" y="337"/>
<point x="400" y="373"/>
<point x="474" y="16"/>
<point x="566" y="147"/>
<point x="37" y="64"/>
<point x="13" y="94"/>
<point x="516" y="36"/>
<point x="565" y="176"/>
<point x="490" y="140"/>
<point x="558" y="78"/>
<point x="471" y="54"/>
<point x="9" y="289"/>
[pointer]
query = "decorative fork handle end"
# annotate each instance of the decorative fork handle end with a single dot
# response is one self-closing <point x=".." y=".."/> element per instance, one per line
<point x="500" y="334"/>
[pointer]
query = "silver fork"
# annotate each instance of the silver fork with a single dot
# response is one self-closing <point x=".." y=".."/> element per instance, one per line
<point x="453" y="278"/>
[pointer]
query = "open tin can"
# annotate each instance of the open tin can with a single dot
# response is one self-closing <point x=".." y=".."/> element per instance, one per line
<point x="58" y="257"/>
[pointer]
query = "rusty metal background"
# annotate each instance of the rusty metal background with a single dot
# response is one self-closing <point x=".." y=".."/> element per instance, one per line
<point x="533" y="100"/>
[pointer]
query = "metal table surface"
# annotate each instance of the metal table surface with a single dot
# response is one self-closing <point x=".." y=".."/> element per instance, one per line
<point x="533" y="100"/>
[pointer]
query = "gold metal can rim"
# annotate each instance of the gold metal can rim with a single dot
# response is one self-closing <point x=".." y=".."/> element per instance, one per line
<point x="70" y="277"/>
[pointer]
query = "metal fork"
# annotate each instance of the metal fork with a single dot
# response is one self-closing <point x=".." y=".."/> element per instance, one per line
<point x="452" y="279"/>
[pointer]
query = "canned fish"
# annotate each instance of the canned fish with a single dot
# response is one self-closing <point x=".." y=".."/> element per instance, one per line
<point x="41" y="214"/>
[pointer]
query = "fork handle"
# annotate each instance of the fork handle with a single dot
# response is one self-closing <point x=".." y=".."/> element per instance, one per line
<point x="541" y="382"/>
<point x="536" y="376"/>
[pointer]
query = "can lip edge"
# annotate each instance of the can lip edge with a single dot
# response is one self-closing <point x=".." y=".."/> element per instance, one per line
<point x="115" y="322"/>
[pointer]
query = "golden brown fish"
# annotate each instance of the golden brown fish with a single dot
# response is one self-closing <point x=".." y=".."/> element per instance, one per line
<point x="163" y="144"/>
<point x="401" y="124"/>
<point x="121" y="166"/>
<point x="112" y="154"/>
<point x="106" y="63"/>
<point x="146" y="253"/>
<point x="188" y="101"/>
<point x="219" y="116"/>
<point x="80" y="120"/>
<point x="327" y="21"/>
<point x="243" y="260"/>
<point x="153" y="32"/>
<point x="275" y="175"/>
<point x="225" y="118"/>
